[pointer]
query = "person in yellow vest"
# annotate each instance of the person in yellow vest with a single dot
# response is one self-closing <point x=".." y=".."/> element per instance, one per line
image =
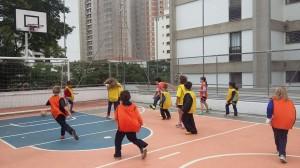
<point x="69" y="95"/>
<point x="189" y="108"/>
<point x="232" y="98"/>
<point x="165" y="102"/>
<point x="114" y="89"/>
<point x="179" y="99"/>
<point x="60" y="114"/>
<point x="281" y="114"/>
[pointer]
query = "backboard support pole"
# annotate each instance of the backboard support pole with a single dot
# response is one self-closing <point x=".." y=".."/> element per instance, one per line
<point x="26" y="45"/>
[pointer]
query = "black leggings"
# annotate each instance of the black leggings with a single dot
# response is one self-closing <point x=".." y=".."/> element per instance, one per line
<point x="165" y="113"/>
<point x="131" y="136"/>
<point x="280" y="137"/>
<point x="61" y="120"/>
<point x="109" y="106"/>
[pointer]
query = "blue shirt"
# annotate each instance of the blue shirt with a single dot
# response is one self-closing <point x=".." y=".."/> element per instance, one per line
<point x="270" y="109"/>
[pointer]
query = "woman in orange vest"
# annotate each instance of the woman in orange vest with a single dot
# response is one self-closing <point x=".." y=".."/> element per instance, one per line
<point x="281" y="114"/>
<point x="129" y="122"/>
<point x="203" y="95"/>
<point x="59" y="113"/>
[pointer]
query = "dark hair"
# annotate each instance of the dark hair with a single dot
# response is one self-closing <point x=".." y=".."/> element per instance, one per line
<point x="69" y="83"/>
<point x="157" y="79"/>
<point x="232" y="84"/>
<point x="204" y="79"/>
<point x="125" y="96"/>
<point x="182" y="79"/>
<point x="188" y="85"/>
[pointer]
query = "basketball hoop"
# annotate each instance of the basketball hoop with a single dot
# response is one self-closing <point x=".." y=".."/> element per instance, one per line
<point x="33" y="27"/>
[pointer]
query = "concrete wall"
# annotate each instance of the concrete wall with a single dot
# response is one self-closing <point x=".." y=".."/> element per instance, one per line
<point x="215" y="14"/>
<point x="247" y="45"/>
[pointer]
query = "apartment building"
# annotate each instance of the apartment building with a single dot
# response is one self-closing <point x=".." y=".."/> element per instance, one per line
<point x="228" y="40"/>
<point x="118" y="29"/>
<point x="163" y="35"/>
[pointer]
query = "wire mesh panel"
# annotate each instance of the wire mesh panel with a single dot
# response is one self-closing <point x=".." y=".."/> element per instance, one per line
<point x="31" y="74"/>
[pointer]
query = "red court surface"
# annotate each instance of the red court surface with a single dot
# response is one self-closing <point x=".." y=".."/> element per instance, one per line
<point x="221" y="142"/>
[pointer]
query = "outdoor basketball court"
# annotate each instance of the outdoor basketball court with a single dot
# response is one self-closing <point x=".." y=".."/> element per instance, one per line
<point x="221" y="142"/>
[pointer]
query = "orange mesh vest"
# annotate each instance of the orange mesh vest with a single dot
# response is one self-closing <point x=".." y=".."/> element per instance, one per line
<point x="128" y="118"/>
<point x="54" y="103"/>
<point x="284" y="114"/>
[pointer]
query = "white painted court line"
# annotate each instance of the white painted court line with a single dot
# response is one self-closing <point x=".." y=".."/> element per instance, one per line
<point x="39" y="121"/>
<point x="88" y="150"/>
<point x="169" y="155"/>
<point x="32" y="125"/>
<point x="180" y="144"/>
<point x="8" y="144"/>
<point x="230" y="155"/>
<point x="94" y="133"/>
<point x="56" y="128"/>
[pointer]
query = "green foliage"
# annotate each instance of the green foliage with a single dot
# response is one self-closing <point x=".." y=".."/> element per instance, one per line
<point x="46" y="43"/>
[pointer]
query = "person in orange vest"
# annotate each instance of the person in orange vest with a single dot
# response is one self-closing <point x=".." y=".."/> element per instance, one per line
<point x="203" y="95"/>
<point x="129" y="122"/>
<point x="114" y="89"/>
<point x="69" y="95"/>
<point x="59" y="113"/>
<point x="281" y="114"/>
<point x="179" y="99"/>
<point x="189" y="108"/>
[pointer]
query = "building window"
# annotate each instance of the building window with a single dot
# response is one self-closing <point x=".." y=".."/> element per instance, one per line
<point x="168" y="34"/>
<point x="235" y="48"/>
<point x="293" y="77"/>
<point x="168" y="26"/>
<point x="168" y="43"/>
<point x="235" y="10"/>
<point x="291" y="1"/>
<point x="236" y="77"/>
<point x="292" y="37"/>
<point x="168" y="51"/>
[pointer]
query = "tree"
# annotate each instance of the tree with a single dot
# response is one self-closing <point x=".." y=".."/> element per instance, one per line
<point x="46" y="43"/>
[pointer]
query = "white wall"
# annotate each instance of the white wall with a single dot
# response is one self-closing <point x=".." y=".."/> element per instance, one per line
<point x="247" y="80"/>
<point x="189" y="15"/>
<point x="277" y="9"/>
<point x="278" y="78"/>
<point x="216" y="45"/>
<point x="291" y="11"/>
<point x="247" y="9"/>
<point x="215" y="11"/>
<point x="189" y="48"/>
<point x="223" y="79"/>
<point x="247" y="45"/>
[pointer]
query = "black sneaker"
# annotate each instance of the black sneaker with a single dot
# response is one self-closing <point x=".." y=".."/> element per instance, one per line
<point x="143" y="153"/>
<point x="76" y="137"/>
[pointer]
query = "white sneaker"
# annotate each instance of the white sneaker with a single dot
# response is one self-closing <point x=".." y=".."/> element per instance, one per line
<point x="282" y="159"/>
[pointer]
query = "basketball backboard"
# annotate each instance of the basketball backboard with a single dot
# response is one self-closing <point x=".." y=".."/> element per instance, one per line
<point x="26" y="19"/>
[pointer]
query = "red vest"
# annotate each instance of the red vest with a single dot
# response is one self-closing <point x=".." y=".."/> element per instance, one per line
<point x="284" y="114"/>
<point x="54" y="103"/>
<point x="128" y="118"/>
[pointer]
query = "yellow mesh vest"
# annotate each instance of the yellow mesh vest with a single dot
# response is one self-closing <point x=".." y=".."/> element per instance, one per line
<point x="194" y="106"/>
<point x="168" y="102"/>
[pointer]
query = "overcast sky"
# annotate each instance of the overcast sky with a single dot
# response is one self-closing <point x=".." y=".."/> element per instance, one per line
<point x="72" y="18"/>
